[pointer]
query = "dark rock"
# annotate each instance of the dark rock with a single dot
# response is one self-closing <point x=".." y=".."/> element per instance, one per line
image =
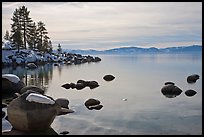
<point x="166" y="83"/>
<point x="92" y="84"/>
<point x="91" y="102"/>
<point x="67" y="86"/>
<point x="108" y="77"/>
<point x="83" y="82"/>
<point x="192" y="78"/>
<point x="97" y="59"/>
<point x="80" y="86"/>
<point x="33" y="88"/>
<point x="171" y="91"/>
<point x="190" y="92"/>
<point x="3" y="105"/>
<point x="64" y="132"/>
<point x="31" y="116"/>
<point x="3" y="114"/>
<point x="63" y="102"/>
<point x="10" y="87"/>
<point x="72" y="85"/>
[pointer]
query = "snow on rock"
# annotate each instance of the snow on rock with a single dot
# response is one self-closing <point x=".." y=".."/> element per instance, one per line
<point x="7" y="45"/>
<point x="33" y="97"/>
<point x="11" y="77"/>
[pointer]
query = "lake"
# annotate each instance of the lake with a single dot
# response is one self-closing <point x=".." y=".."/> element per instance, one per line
<point x="132" y="103"/>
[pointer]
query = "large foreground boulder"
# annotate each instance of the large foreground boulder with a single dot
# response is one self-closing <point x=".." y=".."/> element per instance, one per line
<point x="32" y="112"/>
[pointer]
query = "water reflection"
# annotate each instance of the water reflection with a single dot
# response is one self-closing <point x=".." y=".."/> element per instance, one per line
<point x="39" y="77"/>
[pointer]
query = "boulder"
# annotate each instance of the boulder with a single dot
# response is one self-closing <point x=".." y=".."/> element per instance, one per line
<point x="91" y="102"/>
<point x="192" y="78"/>
<point x="80" y="86"/>
<point x="32" y="112"/>
<point x="63" y="102"/>
<point x="66" y="86"/>
<point x="171" y="91"/>
<point x="33" y="88"/>
<point x="11" y="84"/>
<point x="92" y="84"/>
<point x="108" y="77"/>
<point x="190" y="92"/>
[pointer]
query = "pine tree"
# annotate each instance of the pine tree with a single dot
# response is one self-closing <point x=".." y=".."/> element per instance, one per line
<point x="32" y="36"/>
<point x="7" y="37"/>
<point x="45" y="43"/>
<point x="59" y="50"/>
<point x="25" y="21"/>
<point x="50" y="46"/>
<point x="16" y="35"/>
<point x="42" y="32"/>
<point x="21" y="21"/>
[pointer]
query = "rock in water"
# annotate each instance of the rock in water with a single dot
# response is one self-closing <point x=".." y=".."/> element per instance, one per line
<point x="190" y="92"/>
<point x="63" y="102"/>
<point x="32" y="112"/>
<point x="11" y="77"/>
<point x="11" y="84"/>
<point x="192" y="78"/>
<point x="108" y="77"/>
<point x="171" y="91"/>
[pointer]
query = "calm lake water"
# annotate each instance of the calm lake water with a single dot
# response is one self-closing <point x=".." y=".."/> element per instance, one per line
<point x="138" y="79"/>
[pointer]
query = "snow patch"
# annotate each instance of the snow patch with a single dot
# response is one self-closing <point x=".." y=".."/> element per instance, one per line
<point x="33" y="97"/>
<point x="11" y="77"/>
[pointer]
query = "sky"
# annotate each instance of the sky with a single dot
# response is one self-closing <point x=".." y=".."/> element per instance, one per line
<point x="107" y="25"/>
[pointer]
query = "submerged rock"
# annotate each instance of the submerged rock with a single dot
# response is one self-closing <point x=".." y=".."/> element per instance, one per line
<point x="192" y="78"/>
<point x="190" y="92"/>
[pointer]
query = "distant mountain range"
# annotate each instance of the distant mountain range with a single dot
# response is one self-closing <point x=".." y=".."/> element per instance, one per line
<point x="138" y="50"/>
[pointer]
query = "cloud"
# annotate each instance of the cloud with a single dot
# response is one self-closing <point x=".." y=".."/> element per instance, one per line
<point x="113" y="21"/>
